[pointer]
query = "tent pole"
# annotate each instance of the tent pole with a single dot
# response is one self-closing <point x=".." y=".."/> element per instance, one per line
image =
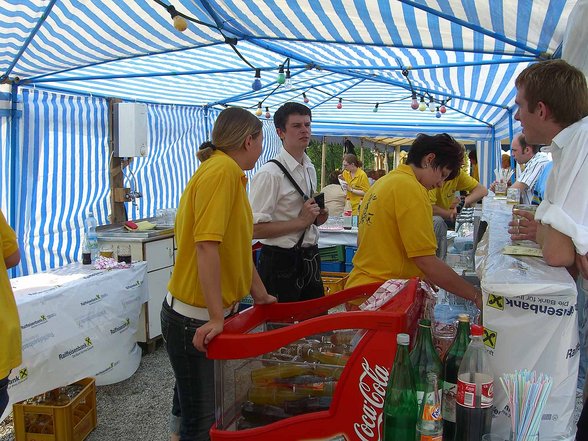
<point x="361" y="150"/>
<point x="324" y="162"/>
<point x="396" y="156"/>
<point x="386" y="167"/>
<point x="13" y="193"/>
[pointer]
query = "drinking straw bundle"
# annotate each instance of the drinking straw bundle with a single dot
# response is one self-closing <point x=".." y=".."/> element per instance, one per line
<point x="527" y="394"/>
<point x="503" y="174"/>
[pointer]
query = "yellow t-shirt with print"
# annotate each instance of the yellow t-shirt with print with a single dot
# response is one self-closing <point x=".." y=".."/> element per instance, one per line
<point x="395" y="225"/>
<point x="360" y="182"/>
<point x="10" y="337"/>
<point x="443" y="197"/>
<point x="214" y="207"/>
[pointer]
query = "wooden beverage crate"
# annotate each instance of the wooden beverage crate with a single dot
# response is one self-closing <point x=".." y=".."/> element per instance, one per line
<point x="71" y="422"/>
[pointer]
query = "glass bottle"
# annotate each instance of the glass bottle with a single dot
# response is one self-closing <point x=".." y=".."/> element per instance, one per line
<point x="430" y="424"/>
<point x="424" y="359"/>
<point x="475" y="393"/>
<point x="451" y="365"/>
<point x="276" y="394"/>
<point x="400" y="404"/>
<point x="347" y="215"/>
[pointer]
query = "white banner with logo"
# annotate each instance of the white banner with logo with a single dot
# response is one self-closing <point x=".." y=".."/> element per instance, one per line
<point x="530" y="322"/>
<point x="77" y="322"/>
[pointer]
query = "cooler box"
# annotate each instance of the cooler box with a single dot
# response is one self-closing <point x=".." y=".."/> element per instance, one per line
<point x="309" y="370"/>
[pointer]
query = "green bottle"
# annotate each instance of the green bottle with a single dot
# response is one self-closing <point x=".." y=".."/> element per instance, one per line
<point x="450" y="369"/>
<point x="424" y="359"/>
<point x="400" y="405"/>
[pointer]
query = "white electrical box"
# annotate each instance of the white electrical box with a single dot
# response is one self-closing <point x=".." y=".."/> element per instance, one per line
<point x="131" y="127"/>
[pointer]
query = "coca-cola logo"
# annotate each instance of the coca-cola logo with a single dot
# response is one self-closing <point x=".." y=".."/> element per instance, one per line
<point x="372" y="386"/>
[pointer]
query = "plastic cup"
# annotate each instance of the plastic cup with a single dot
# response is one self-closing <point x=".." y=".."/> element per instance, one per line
<point x="106" y="251"/>
<point x="123" y="253"/>
<point x="513" y="196"/>
<point x="500" y="188"/>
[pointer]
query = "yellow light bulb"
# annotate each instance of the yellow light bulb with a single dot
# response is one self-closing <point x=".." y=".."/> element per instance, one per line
<point x="180" y="23"/>
<point x="258" y="112"/>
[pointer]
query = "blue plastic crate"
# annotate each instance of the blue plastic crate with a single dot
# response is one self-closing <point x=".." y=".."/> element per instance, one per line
<point x="332" y="266"/>
<point x="348" y="267"/>
<point x="349" y="253"/>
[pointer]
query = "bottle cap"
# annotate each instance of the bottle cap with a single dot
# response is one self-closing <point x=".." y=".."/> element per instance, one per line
<point x="402" y="339"/>
<point x="463" y="318"/>
<point x="477" y="330"/>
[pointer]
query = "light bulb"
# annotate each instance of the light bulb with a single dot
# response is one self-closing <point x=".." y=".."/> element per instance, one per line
<point x="267" y="113"/>
<point x="281" y="76"/>
<point x="305" y="98"/>
<point x="438" y="114"/>
<point x="340" y="103"/>
<point x="256" y="85"/>
<point x="442" y="109"/>
<point x="180" y="23"/>
<point x="414" y="104"/>
<point x="258" y="112"/>
<point x="422" y="105"/>
<point x="376" y="107"/>
<point x="288" y="82"/>
<point x="432" y="106"/>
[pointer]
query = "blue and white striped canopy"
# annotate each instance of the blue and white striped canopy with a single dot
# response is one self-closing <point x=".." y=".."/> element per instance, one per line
<point x="464" y="51"/>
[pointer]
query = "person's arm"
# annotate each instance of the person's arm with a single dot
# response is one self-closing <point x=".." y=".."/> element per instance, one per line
<point x="322" y="216"/>
<point x="209" y="277"/>
<point x="445" y="213"/>
<point x="582" y="265"/>
<point x="12" y="260"/>
<point x="558" y="249"/>
<point x="309" y="212"/>
<point x="439" y="273"/>
<point x="475" y="195"/>
<point x="356" y="191"/>
<point x="258" y="291"/>
<point x="520" y="185"/>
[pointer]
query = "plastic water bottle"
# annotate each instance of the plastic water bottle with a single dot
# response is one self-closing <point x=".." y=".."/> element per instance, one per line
<point x="90" y="224"/>
<point x="475" y="391"/>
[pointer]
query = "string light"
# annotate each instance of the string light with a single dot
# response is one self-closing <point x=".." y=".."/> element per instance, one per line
<point x="305" y="98"/>
<point x="256" y="85"/>
<point x="442" y="109"/>
<point x="340" y="103"/>
<point x="258" y="112"/>
<point x="281" y="76"/>
<point x="432" y="105"/>
<point x="438" y="114"/>
<point x="267" y="113"/>
<point x="422" y="105"/>
<point x="180" y="22"/>
<point x="288" y="82"/>
<point x="414" y="104"/>
<point x="376" y="107"/>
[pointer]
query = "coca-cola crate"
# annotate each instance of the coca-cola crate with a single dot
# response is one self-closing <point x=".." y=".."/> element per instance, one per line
<point x="322" y="394"/>
<point x="70" y="422"/>
<point x="333" y="281"/>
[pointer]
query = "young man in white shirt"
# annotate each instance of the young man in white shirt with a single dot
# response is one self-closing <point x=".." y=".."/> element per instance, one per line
<point x="553" y="109"/>
<point x="285" y="221"/>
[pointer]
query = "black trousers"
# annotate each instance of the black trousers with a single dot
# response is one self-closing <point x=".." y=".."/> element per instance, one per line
<point x="582" y="433"/>
<point x="291" y="274"/>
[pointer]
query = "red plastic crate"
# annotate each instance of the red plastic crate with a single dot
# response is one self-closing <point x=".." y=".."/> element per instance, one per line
<point x="357" y="404"/>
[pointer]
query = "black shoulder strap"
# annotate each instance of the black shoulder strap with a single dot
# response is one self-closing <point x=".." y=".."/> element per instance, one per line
<point x="297" y="187"/>
<point x="289" y="176"/>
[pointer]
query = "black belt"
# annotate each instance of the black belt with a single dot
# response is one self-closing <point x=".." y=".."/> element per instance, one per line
<point x="307" y="251"/>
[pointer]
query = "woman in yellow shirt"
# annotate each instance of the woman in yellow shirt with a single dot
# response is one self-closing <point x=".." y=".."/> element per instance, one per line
<point x="356" y="179"/>
<point x="214" y="268"/>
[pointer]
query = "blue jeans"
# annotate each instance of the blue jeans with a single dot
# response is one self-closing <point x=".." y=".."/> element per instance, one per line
<point x="193" y="401"/>
<point x="3" y="394"/>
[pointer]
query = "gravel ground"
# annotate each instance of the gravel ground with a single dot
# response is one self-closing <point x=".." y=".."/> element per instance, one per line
<point x="134" y="409"/>
<point x="138" y="408"/>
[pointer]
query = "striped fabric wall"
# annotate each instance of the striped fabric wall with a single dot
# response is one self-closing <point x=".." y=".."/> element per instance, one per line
<point x="271" y="146"/>
<point x="62" y="167"/>
<point x="488" y="159"/>
<point x="4" y="165"/>
<point x="175" y="134"/>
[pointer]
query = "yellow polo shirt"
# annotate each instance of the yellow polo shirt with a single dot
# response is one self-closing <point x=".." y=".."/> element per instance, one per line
<point x="395" y="225"/>
<point x="359" y="182"/>
<point x="10" y="337"/>
<point x="214" y="207"/>
<point x="443" y="197"/>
